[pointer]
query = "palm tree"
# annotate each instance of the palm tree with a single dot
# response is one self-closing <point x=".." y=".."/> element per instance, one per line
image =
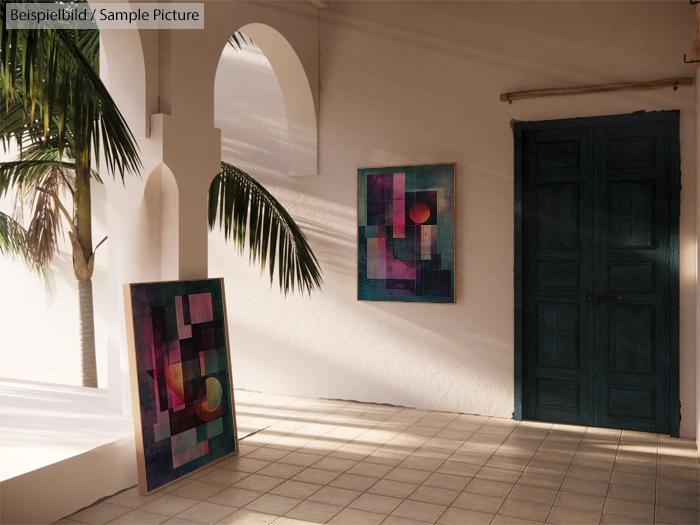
<point x="57" y="110"/>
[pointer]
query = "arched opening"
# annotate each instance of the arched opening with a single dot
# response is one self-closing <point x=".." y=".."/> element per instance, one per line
<point x="161" y="206"/>
<point x="271" y="78"/>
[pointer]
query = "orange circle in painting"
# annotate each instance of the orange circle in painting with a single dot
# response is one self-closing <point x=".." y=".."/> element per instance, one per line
<point x="419" y="213"/>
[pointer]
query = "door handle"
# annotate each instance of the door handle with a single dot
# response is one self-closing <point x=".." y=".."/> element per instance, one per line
<point x="592" y="297"/>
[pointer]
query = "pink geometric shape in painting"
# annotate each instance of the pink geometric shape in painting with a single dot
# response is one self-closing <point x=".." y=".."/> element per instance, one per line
<point x="399" y="204"/>
<point x="201" y="310"/>
<point x="184" y="331"/>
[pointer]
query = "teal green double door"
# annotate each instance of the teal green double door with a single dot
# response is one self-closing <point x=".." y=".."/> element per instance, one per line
<point x="596" y="271"/>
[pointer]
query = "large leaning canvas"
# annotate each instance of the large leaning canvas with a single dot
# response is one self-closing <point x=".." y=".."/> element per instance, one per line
<point x="182" y="392"/>
<point x="406" y="225"/>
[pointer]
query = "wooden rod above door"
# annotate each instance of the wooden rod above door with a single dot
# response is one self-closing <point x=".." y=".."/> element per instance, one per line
<point x="600" y="88"/>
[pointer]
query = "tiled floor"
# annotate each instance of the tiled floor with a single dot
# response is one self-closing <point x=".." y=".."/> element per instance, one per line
<point x="337" y="462"/>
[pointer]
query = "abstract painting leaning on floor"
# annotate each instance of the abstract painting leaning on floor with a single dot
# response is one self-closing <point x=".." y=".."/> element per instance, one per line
<point x="181" y="378"/>
<point x="406" y="233"/>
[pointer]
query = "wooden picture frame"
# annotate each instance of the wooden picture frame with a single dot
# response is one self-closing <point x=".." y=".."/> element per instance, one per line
<point x="181" y="380"/>
<point x="406" y="233"/>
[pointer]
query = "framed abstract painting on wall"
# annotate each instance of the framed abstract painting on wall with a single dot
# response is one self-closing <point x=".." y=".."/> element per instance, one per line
<point x="406" y="226"/>
<point x="181" y="385"/>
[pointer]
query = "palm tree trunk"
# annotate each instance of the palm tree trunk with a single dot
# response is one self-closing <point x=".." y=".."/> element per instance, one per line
<point x="83" y="260"/>
<point x="86" y="321"/>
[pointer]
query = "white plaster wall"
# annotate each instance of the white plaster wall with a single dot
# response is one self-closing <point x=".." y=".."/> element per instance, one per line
<point x="413" y="82"/>
<point x="39" y="322"/>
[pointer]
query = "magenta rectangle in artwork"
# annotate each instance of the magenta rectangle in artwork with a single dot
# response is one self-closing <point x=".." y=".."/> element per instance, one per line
<point x="200" y="308"/>
<point x="399" y="205"/>
<point x="396" y="269"/>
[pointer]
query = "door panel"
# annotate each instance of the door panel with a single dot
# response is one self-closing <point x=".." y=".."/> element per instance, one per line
<point x="596" y="271"/>
<point x="558" y="386"/>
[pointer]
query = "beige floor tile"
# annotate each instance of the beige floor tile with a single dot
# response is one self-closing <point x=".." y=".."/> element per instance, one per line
<point x="635" y="480"/>
<point x="447" y="481"/>
<point x="451" y="433"/>
<point x="421" y="463"/>
<point x="139" y="517"/>
<point x="507" y="463"/>
<point x="301" y="459"/>
<point x="419" y="510"/>
<point x="198" y="490"/>
<point x="407" y="475"/>
<point x="100" y="513"/>
<point x="635" y="468"/>
<point x="457" y="516"/>
<point x="296" y="489"/>
<point x="267" y="454"/>
<point x="169" y="505"/>
<point x="498" y="474"/>
<point x="611" y="519"/>
<point x="490" y="488"/>
<point x="678" y="485"/>
<point x="291" y="521"/>
<point x="480" y="502"/>
<point x="353" y="482"/>
<point x="470" y="457"/>
<point x="584" y="486"/>
<point x="235" y="497"/>
<point x="334" y="496"/>
<point x="206" y="512"/>
<point x="525" y="509"/>
<point x="436" y="495"/>
<point x="688" y="474"/>
<point x="567" y="516"/>
<point x="387" y="457"/>
<point x="179" y="521"/>
<point x="397" y="520"/>
<point x="675" y="499"/>
<point x="589" y="474"/>
<point x="388" y="487"/>
<point x="280" y="470"/>
<point x="573" y="500"/>
<point x="376" y="503"/>
<point x="132" y="499"/>
<point x="357" y="517"/>
<point x="546" y="467"/>
<point x="458" y="468"/>
<point x="632" y="509"/>
<point x="547" y="481"/>
<point x="335" y="464"/>
<point x="258" y="483"/>
<point x="533" y="494"/>
<point x="246" y="464"/>
<point x="316" y="476"/>
<point x="313" y="511"/>
<point x="273" y="504"/>
<point x="223" y="476"/>
<point x="247" y="517"/>
<point x="677" y="516"/>
<point x="372" y="470"/>
<point x="501" y="519"/>
<point x="630" y="493"/>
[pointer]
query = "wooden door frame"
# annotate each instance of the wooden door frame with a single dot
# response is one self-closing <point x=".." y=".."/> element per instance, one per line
<point x="675" y="174"/>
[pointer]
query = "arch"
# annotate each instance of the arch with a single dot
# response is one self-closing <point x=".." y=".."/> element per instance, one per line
<point x="161" y="200"/>
<point x="302" y="122"/>
<point x="123" y="71"/>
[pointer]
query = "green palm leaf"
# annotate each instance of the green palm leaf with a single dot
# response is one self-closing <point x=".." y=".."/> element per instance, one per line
<point x="13" y="242"/>
<point x="244" y="209"/>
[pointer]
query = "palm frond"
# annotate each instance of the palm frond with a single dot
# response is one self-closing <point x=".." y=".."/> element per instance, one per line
<point x="51" y="75"/>
<point x="45" y="225"/>
<point x="245" y="210"/>
<point x="13" y="243"/>
<point x="238" y="39"/>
